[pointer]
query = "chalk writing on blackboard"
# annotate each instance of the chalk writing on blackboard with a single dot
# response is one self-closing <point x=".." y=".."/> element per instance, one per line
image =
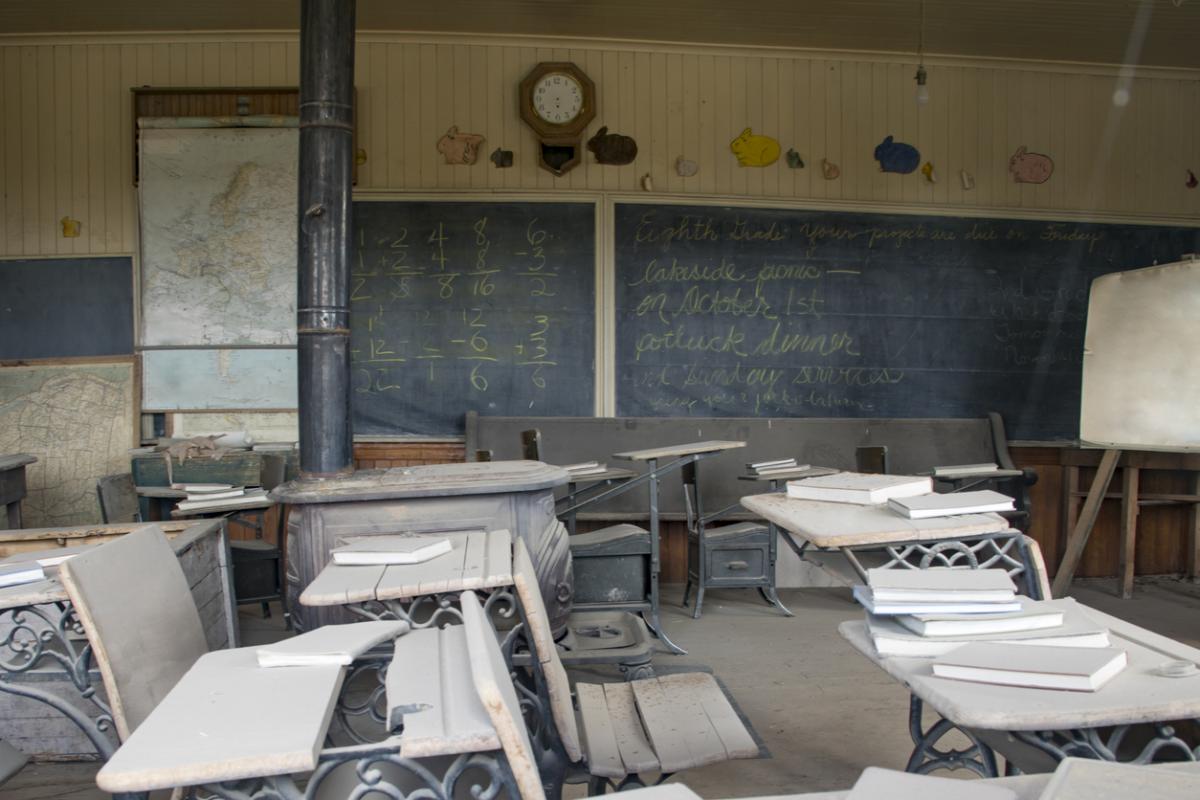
<point x="470" y="306"/>
<point x="741" y="311"/>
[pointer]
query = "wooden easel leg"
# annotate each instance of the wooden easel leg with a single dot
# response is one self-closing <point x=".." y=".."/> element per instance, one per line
<point x="1129" y="514"/>
<point x="1087" y="518"/>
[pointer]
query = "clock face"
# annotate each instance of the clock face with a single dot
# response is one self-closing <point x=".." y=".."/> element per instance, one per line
<point x="557" y="98"/>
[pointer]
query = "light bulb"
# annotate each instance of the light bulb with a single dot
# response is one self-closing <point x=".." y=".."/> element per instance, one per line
<point x="922" y="89"/>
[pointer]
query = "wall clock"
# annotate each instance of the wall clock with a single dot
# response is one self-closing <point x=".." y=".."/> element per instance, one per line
<point x="557" y="100"/>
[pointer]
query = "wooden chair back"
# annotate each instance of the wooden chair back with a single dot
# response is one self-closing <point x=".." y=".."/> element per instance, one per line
<point x="531" y="445"/>
<point x="135" y="605"/>
<point x="118" y="498"/>
<point x="494" y="686"/>
<point x="541" y="644"/>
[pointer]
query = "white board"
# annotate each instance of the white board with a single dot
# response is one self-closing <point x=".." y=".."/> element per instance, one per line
<point x="218" y="234"/>
<point x="181" y="380"/>
<point x="1141" y="360"/>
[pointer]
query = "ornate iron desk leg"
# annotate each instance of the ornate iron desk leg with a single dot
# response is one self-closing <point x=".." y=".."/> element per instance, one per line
<point x="926" y="757"/>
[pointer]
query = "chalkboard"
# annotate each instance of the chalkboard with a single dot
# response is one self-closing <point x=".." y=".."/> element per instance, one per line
<point x="458" y="306"/>
<point x="64" y="308"/>
<point x="770" y="312"/>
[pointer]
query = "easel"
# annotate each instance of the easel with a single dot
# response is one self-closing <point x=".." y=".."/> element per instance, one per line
<point x="1131" y="463"/>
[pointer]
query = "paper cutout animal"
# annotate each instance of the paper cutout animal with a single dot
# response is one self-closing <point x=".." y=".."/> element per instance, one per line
<point x="830" y="170"/>
<point x="612" y="148"/>
<point x="968" y="180"/>
<point x="1029" y="167"/>
<point x="502" y="158"/>
<point x="794" y="160"/>
<point x="896" y="156"/>
<point x="459" y="148"/>
<point x="686" y="168"/>
<point x="928" y="172"/>
<point x="754" y="149"/>
<point x="1191" y="180"/>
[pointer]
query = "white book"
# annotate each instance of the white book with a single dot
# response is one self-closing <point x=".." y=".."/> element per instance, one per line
<point x="582" y="465"/>
<point x="779" y="462"/>
<point x="204" y="488"/>
<point x="893" y="639"/>
<point x="225" y="495"/>
<point x="937" y="584"/>
<point x="777" y="470"/>
<point x="858" y="487"/>
<point x="1031" y="615"/>
<point x="863" y="595"/>
<point x="595" y="469"/>
<point x="329" y="644"/>
<point x="251" y="497"/>
<point x="1078" y="669"/>
<point x="397" y="549"/>
<point x="947" y="505"/>
<point x="20" y="573"/>
<point x="876" y="783"/>
<point x="1089" y="779"/>
<point x="955" y="470"/>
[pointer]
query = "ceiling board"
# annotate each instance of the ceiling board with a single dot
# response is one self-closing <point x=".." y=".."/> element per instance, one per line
<point x="1096" y="31"/>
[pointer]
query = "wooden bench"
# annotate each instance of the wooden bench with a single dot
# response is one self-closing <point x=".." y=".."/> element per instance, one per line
<point x="619" y="730"/>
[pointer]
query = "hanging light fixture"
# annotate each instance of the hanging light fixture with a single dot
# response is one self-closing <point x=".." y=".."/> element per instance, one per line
<point x="921" y="77"/>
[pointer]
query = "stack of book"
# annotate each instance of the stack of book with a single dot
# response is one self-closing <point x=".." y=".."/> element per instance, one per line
<point x="774" y="467"/>
<point x="25" y="568"/>
<point x="977" y="629"/>
<point x="927" y="506"/>
<point x="585" y="468"/>
<point x="218" y="495"/>
<point x="861" y="488"/>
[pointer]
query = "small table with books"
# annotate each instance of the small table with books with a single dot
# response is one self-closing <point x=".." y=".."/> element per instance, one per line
<point x="1035" y="728"/>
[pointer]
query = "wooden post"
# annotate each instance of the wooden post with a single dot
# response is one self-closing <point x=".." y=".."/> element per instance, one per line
<point x="1129" y="514"/>
<point x="1087" y="518"/>
<point x="1193" y="552"/>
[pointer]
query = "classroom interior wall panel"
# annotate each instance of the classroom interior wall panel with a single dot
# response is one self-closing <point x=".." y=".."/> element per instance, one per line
<point x="68" y="153"/>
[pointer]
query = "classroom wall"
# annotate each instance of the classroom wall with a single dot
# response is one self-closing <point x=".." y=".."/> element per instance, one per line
<point x="68" y="151"/>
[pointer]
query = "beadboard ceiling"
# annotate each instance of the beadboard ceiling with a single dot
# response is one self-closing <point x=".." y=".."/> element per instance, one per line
<point x="1148" y="32"/>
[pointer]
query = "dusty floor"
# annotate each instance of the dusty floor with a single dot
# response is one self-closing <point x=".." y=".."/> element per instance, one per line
<point x="823" y="711"/>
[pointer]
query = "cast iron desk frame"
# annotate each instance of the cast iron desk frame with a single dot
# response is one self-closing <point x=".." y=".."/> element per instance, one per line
<point x="582" y="489"/>
<point x="1020" y="720"/>
<point x="682" y="455"/>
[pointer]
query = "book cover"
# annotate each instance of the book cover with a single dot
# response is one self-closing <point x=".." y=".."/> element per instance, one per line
<point x="224" y="495"/>
<point x="858" y="487"/>
<point x="1030" y="615"/>
<point x="876" y="783"/>
<point x="893" y="639"/>
<point x="946" y="505"/>
<point x="941" y="583"/>
<point x="20" y="573"/>
<point x="400" y="549"/>
<point x="251" y="497"/>
<point x="1072" y="668"/>
<point x="779" y="462"/>
<point x="863" y="595"/>
<point x="952" y="470"/>
<point x="329" y="644"/>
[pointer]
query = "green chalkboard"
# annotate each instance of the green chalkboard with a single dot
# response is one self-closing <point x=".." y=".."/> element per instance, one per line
<point x="725" y="311"/>
<point x="459" y="306"/>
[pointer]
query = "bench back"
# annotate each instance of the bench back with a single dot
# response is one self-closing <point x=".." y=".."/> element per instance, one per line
<point x="541" y="645"/>
<point x="494" y="685"/>
<point x="137" y="609"/>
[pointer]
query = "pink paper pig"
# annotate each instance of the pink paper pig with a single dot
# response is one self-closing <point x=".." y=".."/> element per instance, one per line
<point x="1030" y="167"/>
<point x="459" y="148"/>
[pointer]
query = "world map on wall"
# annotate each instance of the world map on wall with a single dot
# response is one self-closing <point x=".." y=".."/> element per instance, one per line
<point x="218" y="257"/>
<point x="78" y="421"/>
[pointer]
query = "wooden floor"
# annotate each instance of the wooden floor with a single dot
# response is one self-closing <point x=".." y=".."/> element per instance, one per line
<point x="823" y="711"/>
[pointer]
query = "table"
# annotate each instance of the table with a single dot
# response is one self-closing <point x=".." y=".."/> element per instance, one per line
<point x="978" y="540"/>
<point x="678" y="457"/>
<point x="1036" y="728"/>
<point x="480" y="560"/>
<point x="12" y="485"/>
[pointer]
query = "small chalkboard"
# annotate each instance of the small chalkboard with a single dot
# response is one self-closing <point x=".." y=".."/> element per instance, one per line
<point x="459" y="306"/>
<point x="725" y="311"/>
<point x="66" y="308"/>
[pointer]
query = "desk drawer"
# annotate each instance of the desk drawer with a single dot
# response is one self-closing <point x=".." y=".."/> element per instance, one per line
<point x="741" y="564"/>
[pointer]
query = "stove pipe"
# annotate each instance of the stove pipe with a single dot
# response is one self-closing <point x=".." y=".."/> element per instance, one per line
<point x="323" y="243"/>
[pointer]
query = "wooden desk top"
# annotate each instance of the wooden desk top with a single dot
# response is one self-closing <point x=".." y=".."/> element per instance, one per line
<point x="610" y="474"/>
<point x="833" y="525"/>
<point x="14" y="460"/>
<point x="678" y="450"/>
<point x="478" y="560"/>
<point x="1135" y="695"/>
<point x="227" y="719"/>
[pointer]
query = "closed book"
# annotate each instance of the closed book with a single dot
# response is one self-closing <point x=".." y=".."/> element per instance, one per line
<point x="927" y="506"/>
<point x="893" y="639"/>
<point x="863" y="595"/>
<point x="1090" y="779"/>
<point x="204" y="488"/>
<point x="414" y="549"/>
<point x="225" y="495"/>
<point x="953" y="470"/>
<point x="329" y="644"/>
<point x="251" y="497"/>
<point x="936" y="584"/>
<point x="779" y="462"/>
<point x="780" y="470"/>
<point x="1076" y="669"/>
<point x="858" y="487"/>
<point x="1029" y="615"/>
<point x="877" y="783"/>
<point x="19" y="573"/>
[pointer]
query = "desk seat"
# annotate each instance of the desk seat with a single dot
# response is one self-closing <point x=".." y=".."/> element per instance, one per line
<point x="623" y="539"/>
<point x="612" y="566"/>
